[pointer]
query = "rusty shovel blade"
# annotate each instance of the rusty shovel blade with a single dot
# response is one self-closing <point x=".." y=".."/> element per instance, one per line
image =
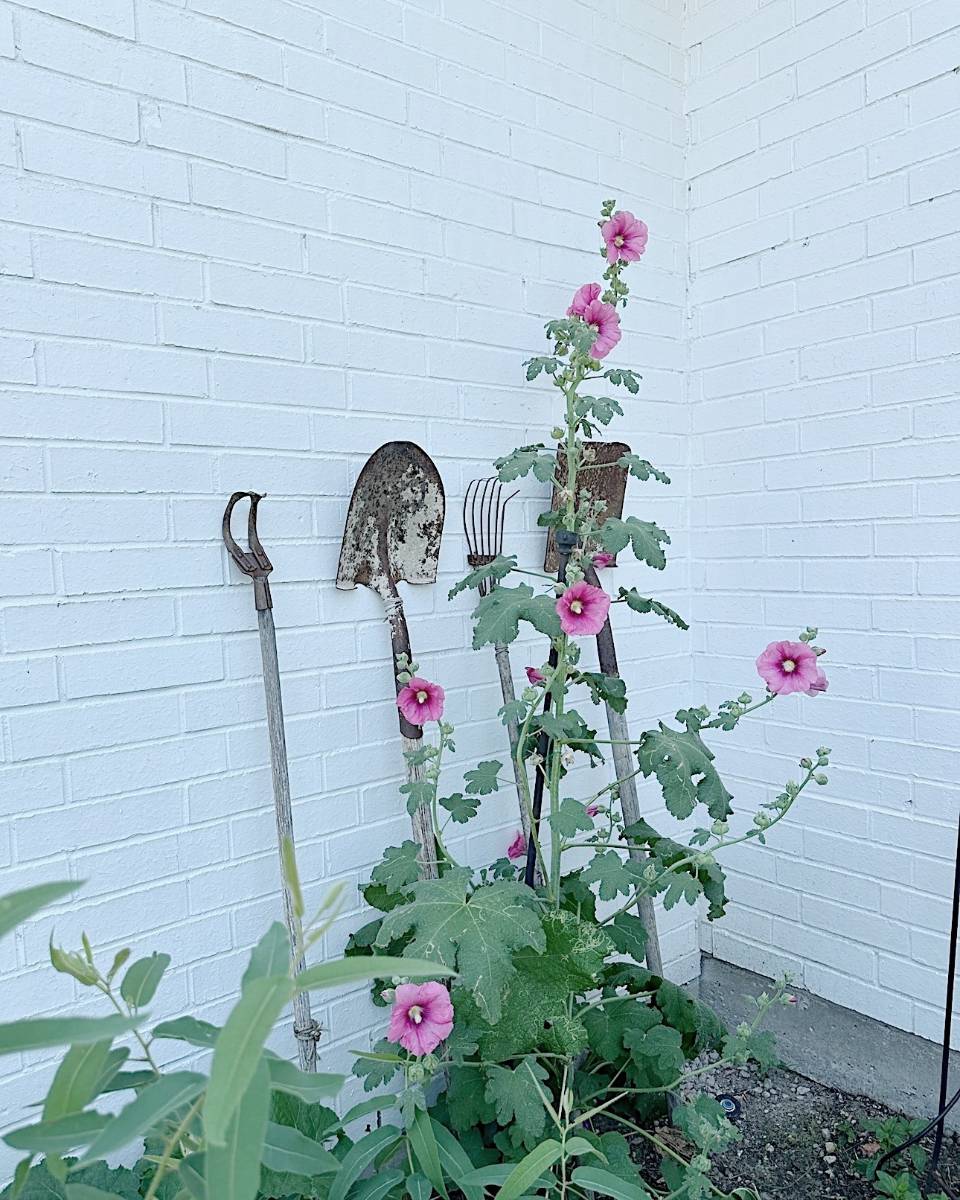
<point x="394" y="521"/>
<point x="607" y="482"/>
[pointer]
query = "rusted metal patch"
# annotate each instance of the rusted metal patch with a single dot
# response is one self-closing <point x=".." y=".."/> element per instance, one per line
<point x="608" y="484"/>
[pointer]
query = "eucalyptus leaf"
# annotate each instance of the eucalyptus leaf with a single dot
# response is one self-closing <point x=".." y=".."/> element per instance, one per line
<point x="288" y="1150"/>
<point x="60" y="1136"/>
<point x="309" y="1086"/>
<point x="77" y="1080"/>
<point x="142" y="979"/>
<point x="270" y="956"/>
<point x="360" y="1156"/>
<point x="596" y="1179"/>
<point x="356" y="970"/>
<point x="37" y="1033"/>
<point x="168" y="1094"/>
<point x="17" y="907"/>
<point x="233" y="1170"/>
<point x="529" y="1169"/>
<point x="423" y="1143"/>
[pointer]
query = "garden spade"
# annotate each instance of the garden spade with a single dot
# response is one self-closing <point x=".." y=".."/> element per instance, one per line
<point x="393" y="530"/>
<point x="254" y="562"/>
<point x="608" y="481"/>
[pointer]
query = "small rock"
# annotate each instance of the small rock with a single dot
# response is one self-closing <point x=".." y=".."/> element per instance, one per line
<point x="830" y="1147"/>
<point x="830" y="1158"/>
<point x="803" y="1091"/>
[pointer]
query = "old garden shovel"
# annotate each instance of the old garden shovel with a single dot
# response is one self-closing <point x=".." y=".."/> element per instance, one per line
<point x="393" y="533"/>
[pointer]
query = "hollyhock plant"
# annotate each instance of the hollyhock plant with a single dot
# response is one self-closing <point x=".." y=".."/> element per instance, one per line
<point x="583" y="610"/>
<point x="535" y="676"/>
<point x="820" y="684"/>
<point x="603" y="559"/>
<point x="600" y="315"/>
<point x="787" y="667"/>
<point x="420" y="700"/>
<point x="421" y="1018"/>
<point x="518" y="847"/>
<point x="625" y="237"/>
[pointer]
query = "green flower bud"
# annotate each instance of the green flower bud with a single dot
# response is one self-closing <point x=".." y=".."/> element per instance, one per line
<point x="821" y="779"/>
<point x="806" y="763"/>
<point x="720" y="828"/>
<point x="557" y="432"/>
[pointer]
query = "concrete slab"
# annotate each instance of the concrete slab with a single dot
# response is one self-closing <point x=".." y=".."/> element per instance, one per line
<point x="837" y="1046"/>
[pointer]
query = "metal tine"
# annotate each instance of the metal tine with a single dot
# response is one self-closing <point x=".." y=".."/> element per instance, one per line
<point x="484" y="521"/>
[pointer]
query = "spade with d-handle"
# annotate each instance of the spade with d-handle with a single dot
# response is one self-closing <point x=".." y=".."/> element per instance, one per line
<point x="607" y="481"/>
<point x="254" y="562"/>
<point x="393" y="530"/>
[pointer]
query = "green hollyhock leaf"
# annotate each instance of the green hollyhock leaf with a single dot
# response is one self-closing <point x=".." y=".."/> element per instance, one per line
<point x="640" y="469"/>
<point x="629" y="935"/>
<point x="496" y="570"/>
<point x="646" y="539"/>
<point x="482" y="779"/>
<point x="499" y="614"/>
<point x="614" y="875"/>
<point x="657" y="1052"/>
<point x="683" y="765"/>
<point x="466" y="1100"/>
<point x="513" y="712"/>
<point x="399" y="868"/>
<point x="523" y="460"/>
<point x="645" y="604"/>
<point x="418" y="792"/>
<point x="461" y="808"/>
<point x="474" y="933"/>
<point x="375" y="1072"/>
<point x="704" y="1123"/>
<point x="570" y="819"/>
<point x="609" y="1025"/>
<point x="516" y="1097"/>
<point x="606" y="689"/>
<point x="681" y="887"/>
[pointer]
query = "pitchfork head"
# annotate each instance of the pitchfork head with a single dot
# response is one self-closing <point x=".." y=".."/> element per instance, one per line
<point x="484" y="509"/>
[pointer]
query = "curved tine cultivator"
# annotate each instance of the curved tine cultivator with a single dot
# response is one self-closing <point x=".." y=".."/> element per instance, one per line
<point x="484" y="515"/>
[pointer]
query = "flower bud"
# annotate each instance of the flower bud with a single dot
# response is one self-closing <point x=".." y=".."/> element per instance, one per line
<point x="820" y="778"/>
<point x="806" y="763"/>
<point x="556" y="432"/>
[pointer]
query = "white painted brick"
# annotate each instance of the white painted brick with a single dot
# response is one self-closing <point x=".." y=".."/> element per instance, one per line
<point x="912" y="67"/>
<point x="29" y="91"/>
<point x="870" y="200"/>
<point x="216" y="235"/>
<point x="255" y="195"/>
<point x="251" y="380"/>
<point x="69" y="417"/>
<point x="857" y="354"/>
<point x="142" y="669"/>
<point x="938" y="178"/>
<point x="195" y="36"/>
<point x="864" y="278"/>
<point x="92" y="519"/>
<point x="193" y="327"/>
<point x="852" y="54"/>
<point x="106" y="60"/>
<point x="199" y="135"/>
<point x="17" y="360"/>
<point x="117" y="268"/>
<point x="291" y="295"/>
<point x="43" y="308"/>
<point x="99" y="366"/>
<point x="216" y="425"/>
<point x="813" y="328"/>
<point x="50" y="204"/>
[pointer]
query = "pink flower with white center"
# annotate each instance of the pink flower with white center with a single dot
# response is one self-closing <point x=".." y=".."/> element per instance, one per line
<point x="535" y="677"/>
<point x="592" y="810"/>
<point x="420" y="700"/>
<point x="625" y="237"/>
<point x="588" y="306"/>
<point x="820" y="684"/>
<point x="518" y="847"/>
<point x="603" y="559"/>
<point x="583" y="609"/>
<point x="787" y="667"/>
<point x="422" y="1017"/>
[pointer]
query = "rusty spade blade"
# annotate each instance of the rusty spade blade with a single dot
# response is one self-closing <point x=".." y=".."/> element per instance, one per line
<point x="606" y="482"/>
<point x="393" y="530"/>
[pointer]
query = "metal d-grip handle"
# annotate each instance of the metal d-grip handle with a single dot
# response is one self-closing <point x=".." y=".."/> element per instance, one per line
<point x="252" y="562"/>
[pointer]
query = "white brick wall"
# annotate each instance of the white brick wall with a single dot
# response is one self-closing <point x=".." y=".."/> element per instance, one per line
<point x="824" y="297"/>
<point x="243" y="242"/>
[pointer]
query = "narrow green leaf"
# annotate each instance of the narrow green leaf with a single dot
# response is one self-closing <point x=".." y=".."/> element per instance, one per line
<point x="76" y="1081"/>
<point x="596" y="1179"/>
<point x="287" y="1149"/>
<point x="17" y="907"/>
<point x="37" y="1033"/>
<point x="360" y="1156"/>
<point x="270" y="956"/>
<point x="291" y="875"/>
<point x="364" y="1108"/>
<point x="233" y="1170"/>
<point x="355" y="970"/>
<point x="143" y="978"/>
<point x="423" y="1143"/>
<point x="60" y="1136"/>
<point x="419" y="1187"/>
<point x="189" y="1030"/>
<point x="192" y="1175"/>
<point x="123" y="1081"/>
<point x="529" y="1169"/>
<point x="378" y="1186"/>
<point x="238" y="1050"/>
<point x="156" y="1101"/>
<point x="305" y="1085"/>
<point x="455" y="1161"/>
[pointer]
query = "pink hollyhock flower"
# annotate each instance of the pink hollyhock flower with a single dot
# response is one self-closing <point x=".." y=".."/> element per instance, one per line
<point x="592" y="810"/>
<point x="787" y="667"/>
<point x="421" y="701"/>
<point x="421" y="1018"/>
<point x="518" y="847"/>
<point x="602" y="559"/>
<point x="583" y="609"/>
<point x="820" y="684"/>
<point x="625" y="237"/>
<point x="604" y="320"/>
<point x="588" y="306"/>
<point x="535" y="676"/>
<point x="583" y="297"/>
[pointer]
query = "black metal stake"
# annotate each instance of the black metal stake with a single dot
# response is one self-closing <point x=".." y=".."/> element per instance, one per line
<point x="566" y="541"/>
<point x="944" y="1106"/>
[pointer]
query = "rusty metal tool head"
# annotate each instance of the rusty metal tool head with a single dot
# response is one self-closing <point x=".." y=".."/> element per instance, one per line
<point x="604" y="481"/>
<point x="252" y="562"/>
<point x="394" y="522"/>
<point x="484" y="512"/>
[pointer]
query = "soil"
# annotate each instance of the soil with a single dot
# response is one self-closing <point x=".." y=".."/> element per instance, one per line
<point x="799" y="1139"/>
